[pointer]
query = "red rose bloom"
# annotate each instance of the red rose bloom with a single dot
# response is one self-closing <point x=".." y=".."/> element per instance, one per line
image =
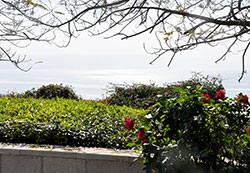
<point x="130" y="123"/>
<point x="242" y="99"/>
<point x="206" y="99"/>
<point x="248" y="130"/>
<point x="142" y="133"/>
<point x="220" y="95"/>
<point x="144" y="141"/>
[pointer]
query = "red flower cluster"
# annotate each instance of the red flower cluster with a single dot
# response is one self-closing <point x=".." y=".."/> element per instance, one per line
<point x="130" y="124"/>
<point x="141" y="133"/>
<point x="144" y="141"/>
<point x="220" y="95"/>
<point x="248" y="130"/>
<point x="243" y="99"/>
<point x="206" y="99"/>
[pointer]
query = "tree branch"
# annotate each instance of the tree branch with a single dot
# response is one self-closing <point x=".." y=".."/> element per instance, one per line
<point x="243" y="62"/>
<point x="195" y="16"/>
<point x="228" y="50"/>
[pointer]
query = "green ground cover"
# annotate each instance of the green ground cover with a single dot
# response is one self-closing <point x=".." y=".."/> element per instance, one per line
<point x="64" y="122"/>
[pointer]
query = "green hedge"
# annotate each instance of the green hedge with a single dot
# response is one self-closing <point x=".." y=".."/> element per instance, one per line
<point x="142" y="96"/>
<point x="64" y="122"/>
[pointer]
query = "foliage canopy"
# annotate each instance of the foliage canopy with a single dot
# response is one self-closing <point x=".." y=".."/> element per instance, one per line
<point x="178" y="25"/>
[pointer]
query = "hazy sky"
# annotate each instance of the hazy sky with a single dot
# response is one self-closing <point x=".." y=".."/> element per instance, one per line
<point x="89" y="64"/>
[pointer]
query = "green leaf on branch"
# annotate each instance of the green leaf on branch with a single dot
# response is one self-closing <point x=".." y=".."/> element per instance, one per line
<point x="36" y="5"/>
<point x="58" y="12"/>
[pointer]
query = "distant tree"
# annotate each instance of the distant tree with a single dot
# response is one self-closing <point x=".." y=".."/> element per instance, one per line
<point x="178" y="25"/>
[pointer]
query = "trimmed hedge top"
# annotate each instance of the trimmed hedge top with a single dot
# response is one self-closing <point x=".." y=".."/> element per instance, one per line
<point x="64" y="122"/>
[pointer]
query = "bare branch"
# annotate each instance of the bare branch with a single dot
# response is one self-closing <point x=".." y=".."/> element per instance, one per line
<point x="228" y="50"/>
<point x="15" y="62"/>
<point x="184" y="24"/>
<point x="243" y="71"/>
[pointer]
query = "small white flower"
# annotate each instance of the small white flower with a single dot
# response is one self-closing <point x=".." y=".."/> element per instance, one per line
<point x="148" y="116"/>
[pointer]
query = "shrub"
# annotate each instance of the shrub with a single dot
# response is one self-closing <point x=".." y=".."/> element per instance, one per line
<point x="46" y="91"/>
<point x="54" y="90"/>
<point x="29" y="93"/>
<point x="142" y="96"/>
<point x="135" y="95"/>
<point x="64" y="122"/>
<point x="212" y="84"/>
<point x="185" y="133"/>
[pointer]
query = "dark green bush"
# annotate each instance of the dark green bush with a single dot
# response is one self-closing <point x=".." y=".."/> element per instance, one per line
<point x="211" y="84"/>
<point x="135" y="95"/>
<point x="54" y="90"/>
<point x="186" y="132"/>
<point x="142" y="96"/>
<point x="47" y="92"/>
<point x="64" y="122"/>
<point x="51" y="91"/>
<point x="29" y="93"/>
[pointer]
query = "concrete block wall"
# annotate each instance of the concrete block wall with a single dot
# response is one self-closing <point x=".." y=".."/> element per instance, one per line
<point x="37" y="159"/>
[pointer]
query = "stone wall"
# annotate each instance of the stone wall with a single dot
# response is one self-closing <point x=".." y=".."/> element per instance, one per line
<point x="51" y="159"/>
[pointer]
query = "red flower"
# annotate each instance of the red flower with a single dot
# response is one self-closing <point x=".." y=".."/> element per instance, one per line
<point x="149" y="108"/>
<point x="130" y="123"/>
<point x="206" y="99"/>
<point x="220" y="95"/>
<point x="248" y="130"/>
<point x="142" y="133"/>
<point x="144" y="141"/>
<point x="242" y="99"/>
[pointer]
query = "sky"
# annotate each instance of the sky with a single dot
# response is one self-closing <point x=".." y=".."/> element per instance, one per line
<point x="89" y="64"/>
